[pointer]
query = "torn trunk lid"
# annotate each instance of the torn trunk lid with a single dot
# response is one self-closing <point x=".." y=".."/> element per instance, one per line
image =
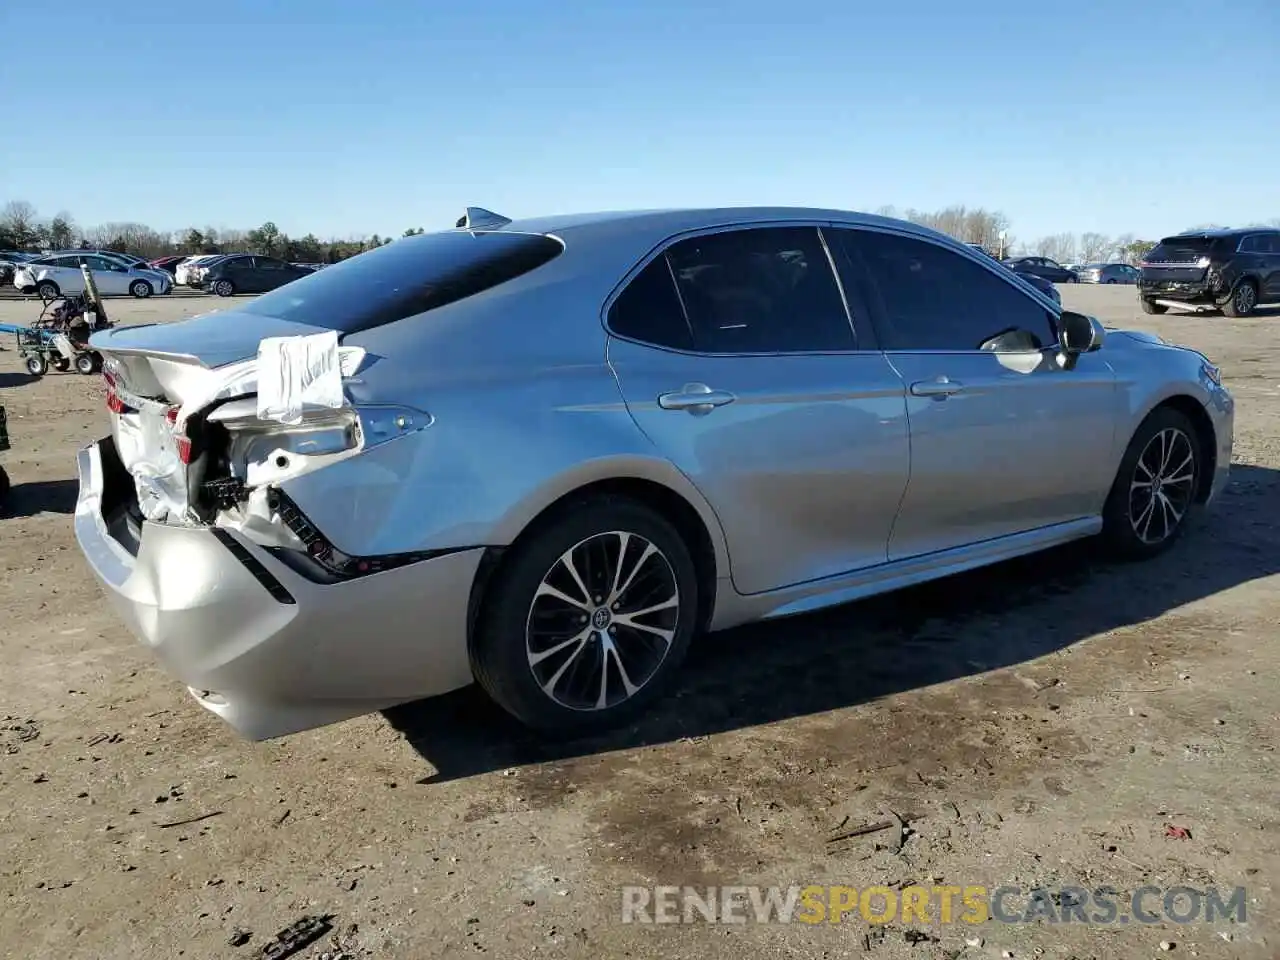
<point x="286" y="411"/>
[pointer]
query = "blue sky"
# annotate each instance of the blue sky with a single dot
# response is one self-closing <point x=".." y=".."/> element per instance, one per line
<point x="345" y="118"/>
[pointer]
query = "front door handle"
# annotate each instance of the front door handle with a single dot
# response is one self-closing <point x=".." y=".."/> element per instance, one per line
<point x="938" y="387"/>
<point x="696" y="398"/>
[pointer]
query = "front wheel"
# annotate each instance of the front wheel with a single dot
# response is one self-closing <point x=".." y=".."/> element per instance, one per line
<point x="587" y="619"/>
<point x="87" y="363"/>
<point x="141" y="289"/>
<point x="1243" y="299"/>
<point x="1155" y="487"/>
<point x="1150" y="306"/>
<point x="224" y="288"/>
<point x="37" y="365"/>
<point x="47" y="290"/>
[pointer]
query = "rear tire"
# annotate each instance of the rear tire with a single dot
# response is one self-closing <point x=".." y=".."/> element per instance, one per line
<point x="1155" y="488"/>
<point x="1150" y="306"/>
<point x="37" y="365"/>
<point x="588" y="618"/>
<point x="86" y="364"/>
<point x="1243" y="299"/>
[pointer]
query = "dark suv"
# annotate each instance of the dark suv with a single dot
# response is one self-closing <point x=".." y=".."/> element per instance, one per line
<point x="1233" y="270"/>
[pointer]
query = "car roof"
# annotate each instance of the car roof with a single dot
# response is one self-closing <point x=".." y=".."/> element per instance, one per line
<point x="657" y="225"/>
<point x="1217" y="232"/>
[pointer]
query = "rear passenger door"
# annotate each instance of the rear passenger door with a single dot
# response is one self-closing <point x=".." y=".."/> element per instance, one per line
<point x="241" y="273"/>
<point x="1003" y="440"/>
<point x="737" y="357"/>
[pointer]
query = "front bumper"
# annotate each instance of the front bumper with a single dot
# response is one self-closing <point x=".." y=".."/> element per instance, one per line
<point x="1221" y="407"/>
<point x="215" y="609"/>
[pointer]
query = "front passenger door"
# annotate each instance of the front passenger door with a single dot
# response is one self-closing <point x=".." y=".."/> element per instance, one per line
<point x="109" y="276"/>
<point x="271" y="273"/>
<point x="1003" y="440"/>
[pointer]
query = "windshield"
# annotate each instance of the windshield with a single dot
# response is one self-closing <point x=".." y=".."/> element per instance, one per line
<point x="404" y="278"/>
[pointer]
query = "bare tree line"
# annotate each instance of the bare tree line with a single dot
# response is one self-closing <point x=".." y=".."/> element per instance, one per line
<point x="21" y="228"/>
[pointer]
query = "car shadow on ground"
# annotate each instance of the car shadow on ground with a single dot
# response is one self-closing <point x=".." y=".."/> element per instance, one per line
<point x="860" y="652"/>
<point x="41" y="496"/>
<point x="11" y="380"/>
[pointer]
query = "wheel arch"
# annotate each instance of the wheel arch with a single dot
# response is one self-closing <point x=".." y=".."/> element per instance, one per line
<point x="1206" y="436"/>
<point x="694" y="521"/>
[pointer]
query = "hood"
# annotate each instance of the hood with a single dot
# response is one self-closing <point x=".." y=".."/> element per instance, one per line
<point x="211" y="339"/>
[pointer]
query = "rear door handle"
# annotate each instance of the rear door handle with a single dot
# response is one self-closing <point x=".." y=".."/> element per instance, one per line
<point x="937" y="387"/>
<point x="696" y="398"/>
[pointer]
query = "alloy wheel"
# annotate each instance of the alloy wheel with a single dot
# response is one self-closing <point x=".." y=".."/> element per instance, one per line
<point x="1162" y="486"/>
<point x="1246" y="299"/>
<point x="602" y="621"/>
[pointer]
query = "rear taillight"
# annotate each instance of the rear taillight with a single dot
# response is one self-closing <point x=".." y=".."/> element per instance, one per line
<point x="114" y="403"/>
<point x="181" y="440"/>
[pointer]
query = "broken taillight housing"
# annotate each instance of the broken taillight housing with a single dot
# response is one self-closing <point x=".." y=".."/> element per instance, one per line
<point x="180" y="440"/>
<point x="114" y="402"/>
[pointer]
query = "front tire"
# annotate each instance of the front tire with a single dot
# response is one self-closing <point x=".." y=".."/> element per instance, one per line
<point x="37" y="365"/>
<point x="1155" y="488"/>
<point x="588" y="618"/>
<point x="141" y="289"/>
<point x="47" y="290"/>
<point x="224" y="288"/>
<point x="1243" y="299"/>
<point x="1150" y="306"/>
<point x="86" y="363"/>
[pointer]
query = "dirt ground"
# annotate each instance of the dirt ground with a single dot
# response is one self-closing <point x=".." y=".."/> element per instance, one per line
<point x="1038" y="724"/>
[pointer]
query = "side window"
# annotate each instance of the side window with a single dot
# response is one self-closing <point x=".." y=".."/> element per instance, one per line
<point x="761" y="290"/>
<point x="936" y="299"/>
<point x="649" y="309"/>
<point x="1249" y="245"/>
<point x="267" y="263"/>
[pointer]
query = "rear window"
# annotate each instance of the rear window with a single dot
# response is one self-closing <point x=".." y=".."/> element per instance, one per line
<point x="1180" y="250"/>
<point x="404" y="278"/>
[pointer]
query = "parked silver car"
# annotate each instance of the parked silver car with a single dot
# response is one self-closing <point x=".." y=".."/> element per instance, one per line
<point x="551" y="452"/>
<point x="1109" y="273"/>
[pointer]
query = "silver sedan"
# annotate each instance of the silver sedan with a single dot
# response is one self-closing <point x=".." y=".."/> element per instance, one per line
<point x="545" y="455"/>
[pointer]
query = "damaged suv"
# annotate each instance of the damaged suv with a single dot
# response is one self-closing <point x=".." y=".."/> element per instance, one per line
<point x="544" y="454"/>
<point x="1230" y="270"/>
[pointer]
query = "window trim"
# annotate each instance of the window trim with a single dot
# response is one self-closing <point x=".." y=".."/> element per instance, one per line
<point x="862" y="332"/>
<point x="879" y="311"/>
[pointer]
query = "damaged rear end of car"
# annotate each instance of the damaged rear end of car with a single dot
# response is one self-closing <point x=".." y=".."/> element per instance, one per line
<point x="186" y="519"/>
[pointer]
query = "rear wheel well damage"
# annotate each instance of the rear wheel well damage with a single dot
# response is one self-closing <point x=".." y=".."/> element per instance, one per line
<point x="1206" y="438"/>
<point x="663" y="500"/>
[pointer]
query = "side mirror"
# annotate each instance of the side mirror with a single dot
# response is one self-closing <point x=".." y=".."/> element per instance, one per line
<point x="1078" y="334"/>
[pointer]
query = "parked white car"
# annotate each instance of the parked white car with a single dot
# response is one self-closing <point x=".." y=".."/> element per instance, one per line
<point x="190" y="271"/>
<point x="60" y="275"/>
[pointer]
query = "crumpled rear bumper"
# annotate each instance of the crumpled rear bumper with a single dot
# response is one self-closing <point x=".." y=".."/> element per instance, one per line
<point x="265" y="648"/>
